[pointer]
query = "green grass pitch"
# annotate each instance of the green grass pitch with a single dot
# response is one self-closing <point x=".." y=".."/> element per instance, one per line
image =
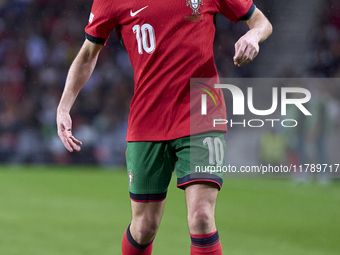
<point x="83" y="211"/>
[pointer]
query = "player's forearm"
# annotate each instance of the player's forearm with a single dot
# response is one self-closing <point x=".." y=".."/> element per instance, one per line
<point x="259" y="26"/>
<point x="80" y="71"/>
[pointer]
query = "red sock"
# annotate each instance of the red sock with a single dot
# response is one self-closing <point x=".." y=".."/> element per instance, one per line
<point x="208" y="244"/>
<point x="131" y="247"/>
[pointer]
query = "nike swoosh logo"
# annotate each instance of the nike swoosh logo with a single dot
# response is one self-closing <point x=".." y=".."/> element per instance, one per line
<point x="135" y="13"/>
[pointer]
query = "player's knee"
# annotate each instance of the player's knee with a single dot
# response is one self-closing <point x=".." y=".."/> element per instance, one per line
<point x="201" y="220"/>
<point x="144" y="231"/>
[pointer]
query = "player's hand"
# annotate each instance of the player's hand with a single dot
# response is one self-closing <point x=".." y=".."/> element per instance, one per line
<point x="64" y="124"/>
<point x="246" y="49"/>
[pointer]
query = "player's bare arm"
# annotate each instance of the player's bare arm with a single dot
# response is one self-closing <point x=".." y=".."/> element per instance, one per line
<point x="247" y="47"/>
<point x="80" y="71"/>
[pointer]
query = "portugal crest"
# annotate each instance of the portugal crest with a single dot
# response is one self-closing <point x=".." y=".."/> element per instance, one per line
<point x="194" y="5"/>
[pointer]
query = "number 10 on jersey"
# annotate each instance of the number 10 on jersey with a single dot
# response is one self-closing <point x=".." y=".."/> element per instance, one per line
<point x="145" y="36"/>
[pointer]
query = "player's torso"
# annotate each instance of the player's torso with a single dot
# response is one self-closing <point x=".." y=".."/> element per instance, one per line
<point x="168" y="43"/>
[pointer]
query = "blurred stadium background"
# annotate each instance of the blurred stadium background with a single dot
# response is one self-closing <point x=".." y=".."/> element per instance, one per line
<point x="39" y="39"/>
<point x="74" y="210"/>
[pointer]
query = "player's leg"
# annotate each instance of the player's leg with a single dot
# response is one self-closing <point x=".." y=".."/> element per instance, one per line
<point x="149" y="172"/>
<point x="201" y="188"/>
<point x="138" y="238"/>
<point x="201" y="200"/>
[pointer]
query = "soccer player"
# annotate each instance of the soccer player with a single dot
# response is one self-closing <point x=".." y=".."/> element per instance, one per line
<point x="168" y="43"/>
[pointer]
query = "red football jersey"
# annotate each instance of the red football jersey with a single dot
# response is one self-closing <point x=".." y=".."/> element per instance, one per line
<point x="168" y="43"/>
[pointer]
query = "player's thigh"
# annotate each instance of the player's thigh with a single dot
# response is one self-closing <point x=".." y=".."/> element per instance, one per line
<point x="200" y="158"/>
<point x="149" y="168"/>
<point x="201" y="195"/>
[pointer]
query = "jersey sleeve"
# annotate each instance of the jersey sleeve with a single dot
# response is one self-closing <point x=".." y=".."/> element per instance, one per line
<point x="236" y="10"/>
<point x="101" y="22"/>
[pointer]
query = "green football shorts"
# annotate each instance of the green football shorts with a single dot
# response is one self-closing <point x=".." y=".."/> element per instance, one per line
<point x="150" y="164"/>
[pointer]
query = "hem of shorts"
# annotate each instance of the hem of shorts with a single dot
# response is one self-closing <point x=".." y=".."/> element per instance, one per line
<point x="181" y="185"/>
<point x="141" y="138"/>
<point x="148" y="197"/>
<point x="146" y="201"/>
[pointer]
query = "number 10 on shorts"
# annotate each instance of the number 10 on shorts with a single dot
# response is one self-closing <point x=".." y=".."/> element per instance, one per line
<point x="216" y="151"/>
